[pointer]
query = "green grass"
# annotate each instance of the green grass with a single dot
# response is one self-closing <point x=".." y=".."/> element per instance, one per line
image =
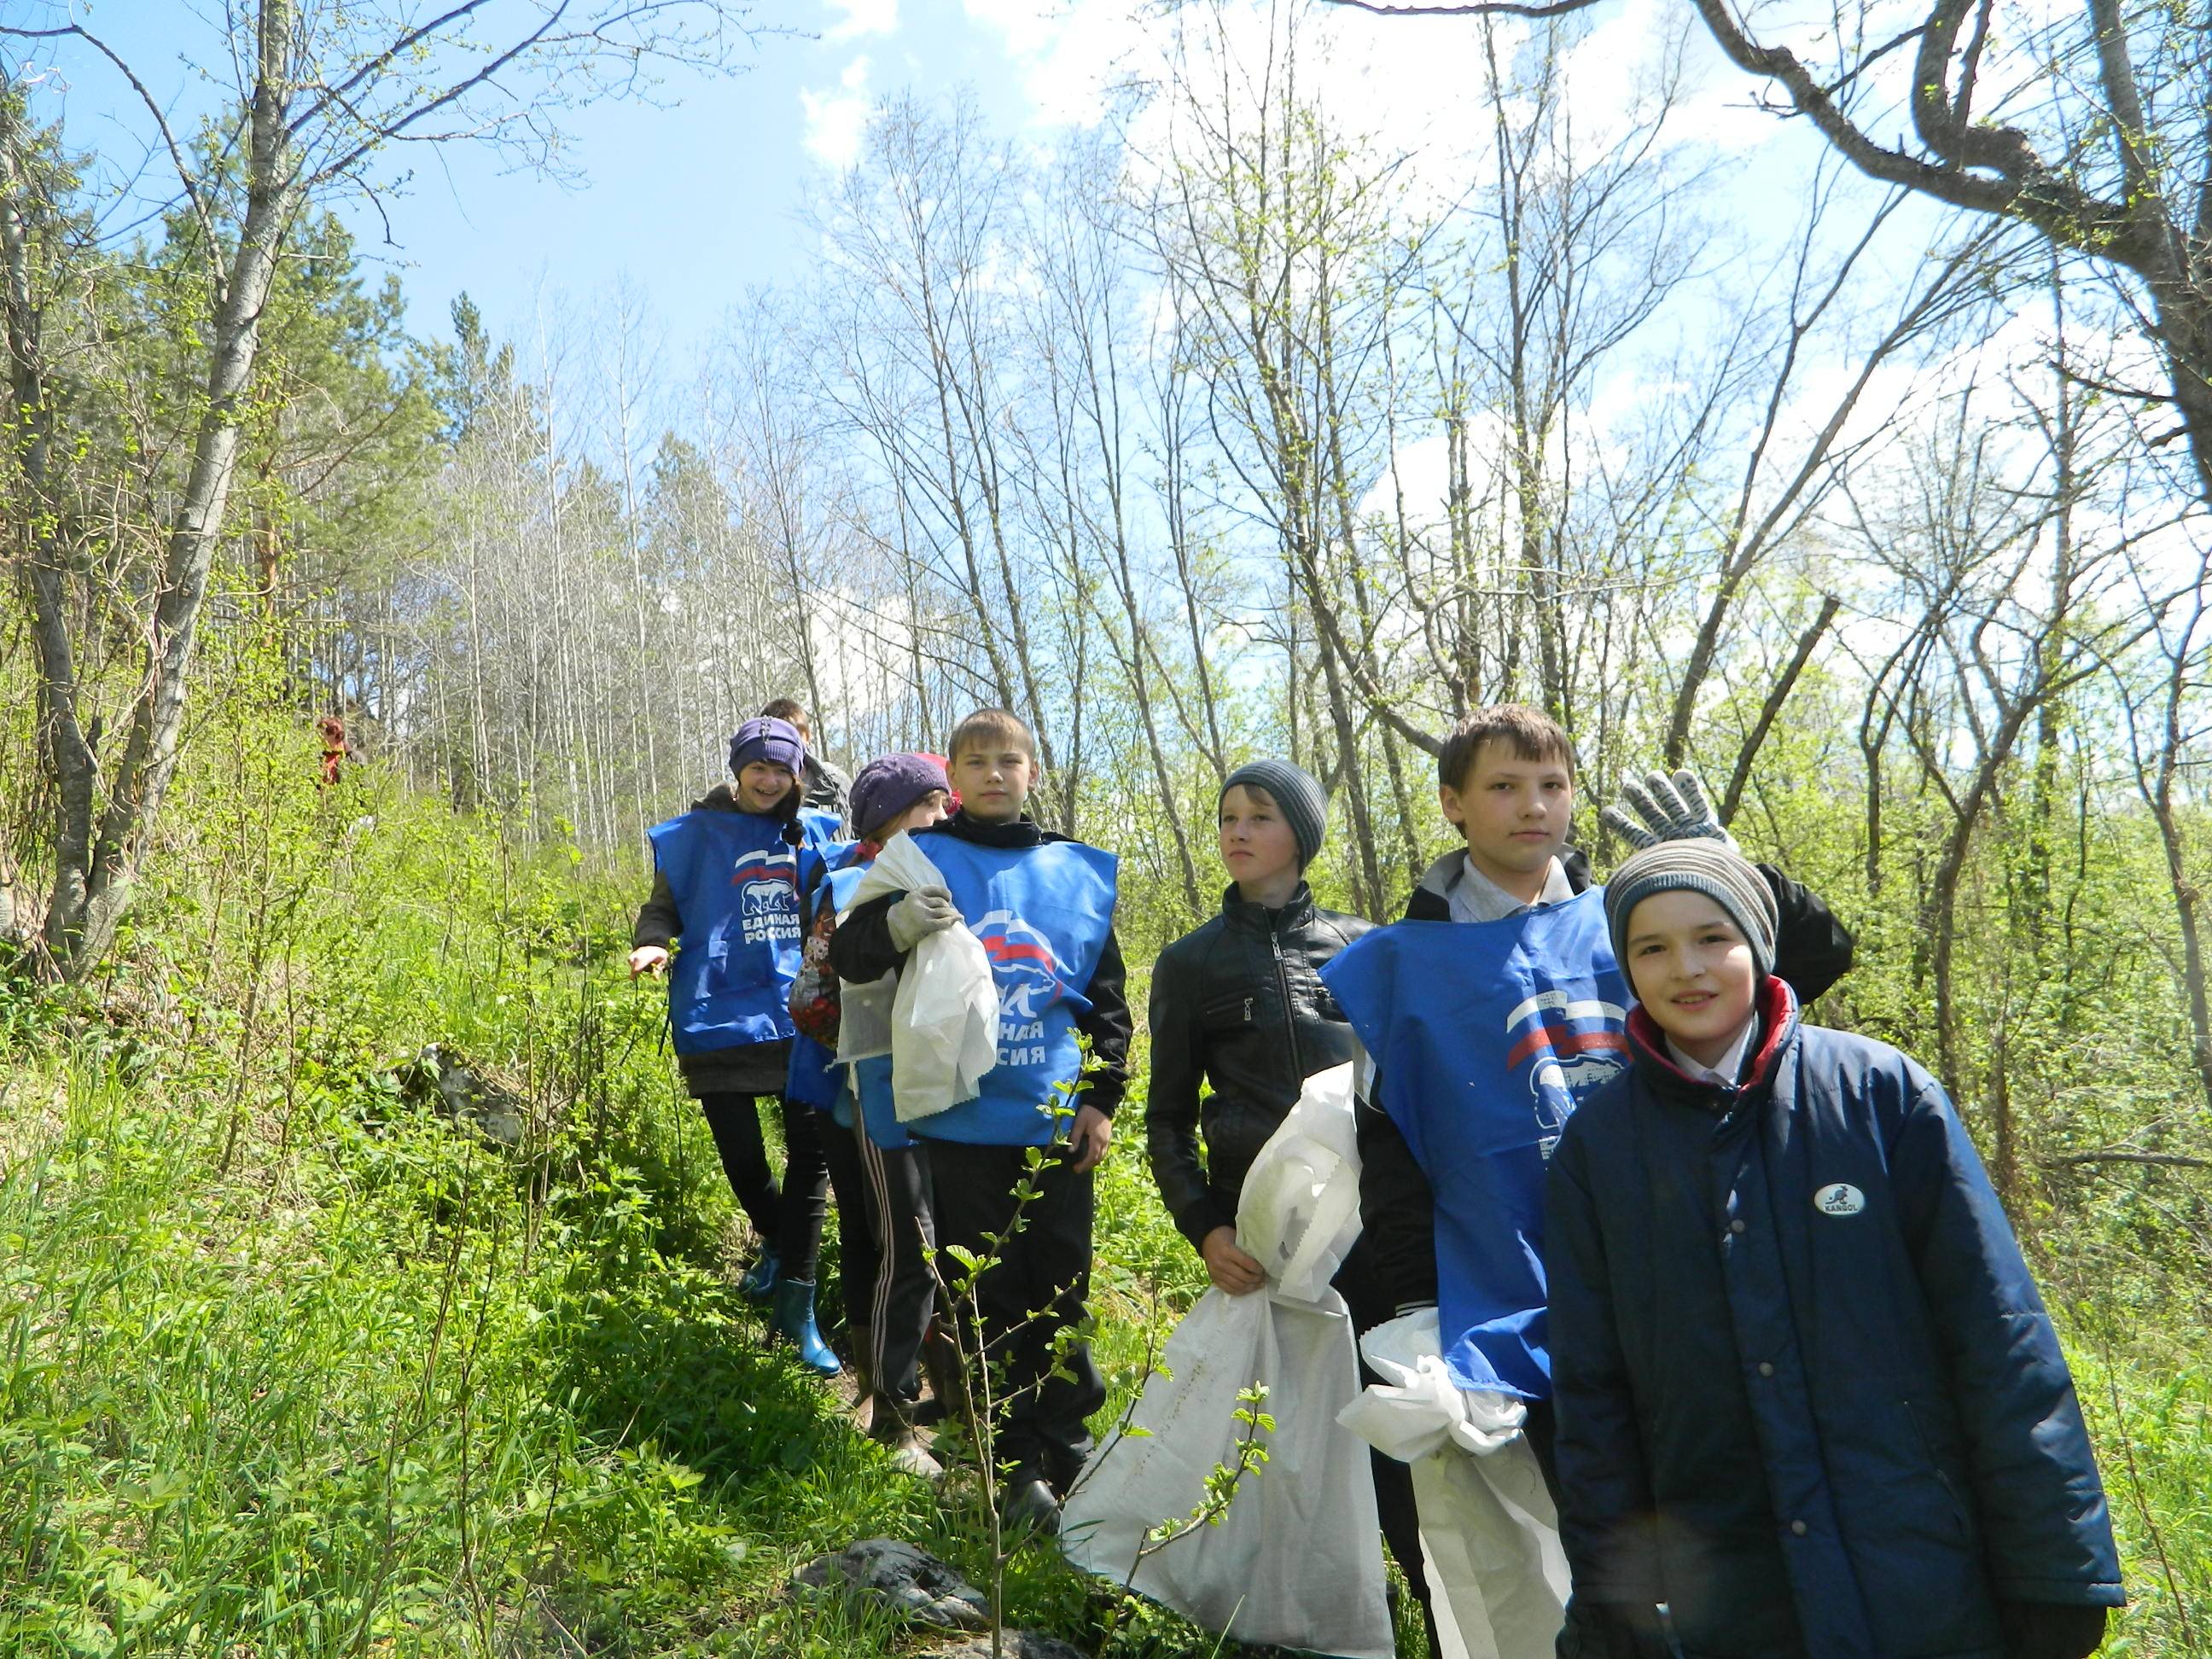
<point x="290" y="1366"/>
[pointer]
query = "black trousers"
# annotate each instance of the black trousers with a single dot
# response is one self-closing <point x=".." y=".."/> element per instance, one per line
<point x="788" y="1217"/>
<point x="1035" y="1290"/>
<point x="857" y="1246"/>
<point x="904" y="1297"/>
<point x="884" y="1237"/>
<point x="1356" y="1281"/>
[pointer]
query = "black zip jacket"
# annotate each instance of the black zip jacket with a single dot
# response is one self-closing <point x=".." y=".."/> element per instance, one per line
<point x="862" y="951"/>
<point x="1398" y="1210"/>
<point x="1238" y="1003"/>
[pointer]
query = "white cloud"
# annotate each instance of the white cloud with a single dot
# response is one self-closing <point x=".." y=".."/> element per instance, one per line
<point x="837" y="121"/>
<point x="862" y="17"/>
<point x="1065" y="54"/>
<point x="1614" y="75"/>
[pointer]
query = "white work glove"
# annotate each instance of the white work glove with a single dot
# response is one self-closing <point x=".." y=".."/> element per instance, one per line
<point x="1670" y="809"/>
<point x="924" y="911"/>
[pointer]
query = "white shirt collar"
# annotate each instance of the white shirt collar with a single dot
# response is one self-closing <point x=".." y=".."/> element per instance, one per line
<point x="1728" y="1070"/>
<point x="1474" y="897"/>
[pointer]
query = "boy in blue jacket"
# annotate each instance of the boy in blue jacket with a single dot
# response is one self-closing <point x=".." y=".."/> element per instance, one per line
<point x="1808" y="1401"/>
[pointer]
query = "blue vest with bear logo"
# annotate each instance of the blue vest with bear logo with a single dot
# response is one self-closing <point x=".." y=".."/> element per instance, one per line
<point x="1043" y="914"/>
<point x="735" y="880"/>
<point x="1485" y="1035"/>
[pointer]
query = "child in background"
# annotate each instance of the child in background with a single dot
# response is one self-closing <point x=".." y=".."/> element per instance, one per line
<point x="1042" y="905"/>
<point x="821" y="786"/>
<point x="1808" y="1400"/>
<point x="725" y="886"/>
<point x="1238" y="1004"/>
<point x="885" y="1230"/>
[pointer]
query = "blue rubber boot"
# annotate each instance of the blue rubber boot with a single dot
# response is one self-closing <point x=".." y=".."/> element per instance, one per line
<point x="794" y="1318"/>
<point x="759" y="1282"/>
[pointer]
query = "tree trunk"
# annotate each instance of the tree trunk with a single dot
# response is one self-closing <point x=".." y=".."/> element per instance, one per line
<point x="1772" y="709"/>
<point x="96" y="870"/>
<point x="2188" y="898"/>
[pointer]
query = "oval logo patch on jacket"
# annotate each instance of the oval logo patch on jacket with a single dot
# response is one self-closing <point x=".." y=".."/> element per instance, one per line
<point x="1841" y="1199"/>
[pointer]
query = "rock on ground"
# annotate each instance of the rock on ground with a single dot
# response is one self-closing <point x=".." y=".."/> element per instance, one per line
<point x="912" y="1583"/>
<point x="1018" y="1645"/>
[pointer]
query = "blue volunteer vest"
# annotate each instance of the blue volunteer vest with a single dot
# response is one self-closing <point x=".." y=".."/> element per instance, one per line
<point x="872" y="1089"/>
<point x="872" y="1078"/>
<point x="1042" y="913"/>
<point x="1485" y="1034"/>
<point x="735" y="880"/>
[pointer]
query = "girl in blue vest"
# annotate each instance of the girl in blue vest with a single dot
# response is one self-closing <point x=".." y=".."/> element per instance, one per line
<point x="726" y="878"/>
<point x="1809" y="1403"/>
<point x="884" y="1222"/>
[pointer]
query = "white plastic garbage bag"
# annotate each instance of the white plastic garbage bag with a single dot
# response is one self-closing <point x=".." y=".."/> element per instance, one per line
<point x="1297" y="1560"/>
<point x="945" y="1014"/>
<point x="1490" y="1533"/>
<point x="863" y="1018"/>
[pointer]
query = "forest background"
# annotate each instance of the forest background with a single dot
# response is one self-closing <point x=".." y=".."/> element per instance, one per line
<point x="1251" y="417"/>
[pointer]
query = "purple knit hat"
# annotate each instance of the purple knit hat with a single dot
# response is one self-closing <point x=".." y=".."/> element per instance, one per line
<point x="888" y="784"/>
<point x="764" y="737"/>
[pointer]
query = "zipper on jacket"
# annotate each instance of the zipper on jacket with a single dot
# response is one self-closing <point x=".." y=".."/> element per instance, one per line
<point x="1290" y="1013"/>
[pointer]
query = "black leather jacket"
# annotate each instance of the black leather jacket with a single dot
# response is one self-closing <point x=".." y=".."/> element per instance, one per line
<point x="1238" y="1003"/>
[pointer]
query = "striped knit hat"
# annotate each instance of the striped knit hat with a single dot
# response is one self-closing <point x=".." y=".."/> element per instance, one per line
<point x="1694" y="864"/>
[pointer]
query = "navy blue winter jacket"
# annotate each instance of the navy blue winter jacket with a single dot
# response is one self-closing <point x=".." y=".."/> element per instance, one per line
<point x="1808" y="1397"/>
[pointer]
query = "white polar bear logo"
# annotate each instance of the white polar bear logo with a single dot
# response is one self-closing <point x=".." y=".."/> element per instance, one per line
<point x="765" y="898"/>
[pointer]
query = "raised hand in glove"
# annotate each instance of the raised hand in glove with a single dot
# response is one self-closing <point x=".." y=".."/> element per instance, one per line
<point x="924" y="911"/>
<point x="1666" y="809"/>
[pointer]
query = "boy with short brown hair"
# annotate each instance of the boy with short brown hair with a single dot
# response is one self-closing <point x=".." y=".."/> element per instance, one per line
<point x="1041" y="904"/>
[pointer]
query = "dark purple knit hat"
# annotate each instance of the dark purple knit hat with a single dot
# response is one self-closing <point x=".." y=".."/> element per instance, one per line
<point x="764" y="737"/>
<point x="888" y="784"/>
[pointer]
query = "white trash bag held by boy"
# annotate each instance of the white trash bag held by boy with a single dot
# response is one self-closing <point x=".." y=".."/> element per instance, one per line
<point x="1490" y="1533"/>
<point x="944" y="1015"/>
<point x="1297" y="1560"/>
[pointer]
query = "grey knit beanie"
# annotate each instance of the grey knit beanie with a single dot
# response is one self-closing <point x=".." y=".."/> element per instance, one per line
<point x="1294" y="791"/>
<point x="1697" y="865"/>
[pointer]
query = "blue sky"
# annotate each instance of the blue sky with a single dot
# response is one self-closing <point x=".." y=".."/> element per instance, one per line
<point x="697" y="200"/>
<point x="694" y="201"/>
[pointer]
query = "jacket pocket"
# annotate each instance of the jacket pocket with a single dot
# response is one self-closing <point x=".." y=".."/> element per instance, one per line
<point x="1940" y="1468"/>
<point x="1229" y="1014"/>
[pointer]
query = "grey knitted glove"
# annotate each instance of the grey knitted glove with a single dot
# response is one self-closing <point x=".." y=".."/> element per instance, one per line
<point x="924" y="911"/>
<point x="1670" y="809"/>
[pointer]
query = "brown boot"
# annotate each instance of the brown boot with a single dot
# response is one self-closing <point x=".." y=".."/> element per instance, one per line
<point x="864" y="1376"/>
<point x="909" y="1445"/>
